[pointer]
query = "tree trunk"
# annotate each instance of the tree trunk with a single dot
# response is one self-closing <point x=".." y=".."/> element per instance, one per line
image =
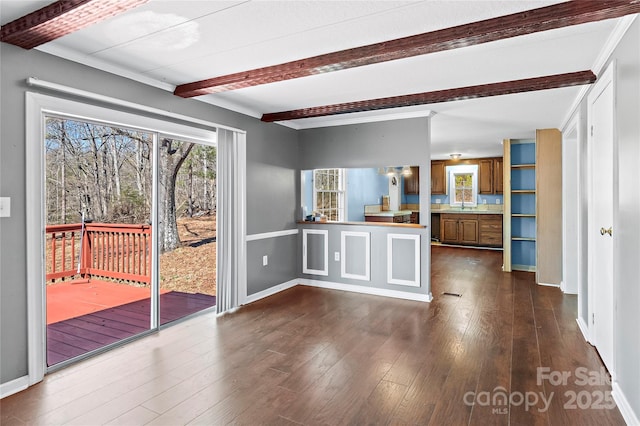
<point x="172" y="155"/>
<point x="190" y="190"/>
<point x="116" y="166"/>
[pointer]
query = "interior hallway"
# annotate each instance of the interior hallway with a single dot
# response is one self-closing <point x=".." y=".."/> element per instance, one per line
<point x="311" y="356"/>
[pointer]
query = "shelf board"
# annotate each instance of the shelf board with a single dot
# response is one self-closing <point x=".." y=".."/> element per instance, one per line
<point x="523" y="191"/>
<point x="522" y="239"/>
<point x="523" y="166"/>
<point x="523" y="215"/>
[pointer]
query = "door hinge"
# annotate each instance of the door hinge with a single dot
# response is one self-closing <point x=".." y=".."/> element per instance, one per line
<point x="593" y="318"/>
<point x="591" y="130"/>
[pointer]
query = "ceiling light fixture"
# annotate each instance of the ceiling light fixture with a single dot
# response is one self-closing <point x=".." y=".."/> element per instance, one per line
<point x="455" y="156"/>
<point x="406" y="171"/>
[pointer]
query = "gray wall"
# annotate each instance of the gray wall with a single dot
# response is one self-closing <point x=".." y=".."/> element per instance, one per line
<point x="272" y="178"/>
<point x="384" y="143"/>
<point x="378" y="245"/>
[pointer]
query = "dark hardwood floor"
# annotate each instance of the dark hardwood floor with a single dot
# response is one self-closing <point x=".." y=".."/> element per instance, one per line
<point x="314" y="356"/>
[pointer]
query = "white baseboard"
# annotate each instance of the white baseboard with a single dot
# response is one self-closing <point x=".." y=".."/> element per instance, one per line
<point x="367" y="290"/>
<point x="271" y="291"/>
<point x="584" y="328"/>
<point x="14" y="386"/>
<point x="523" y="268"/>
<point x="630" y="417"/>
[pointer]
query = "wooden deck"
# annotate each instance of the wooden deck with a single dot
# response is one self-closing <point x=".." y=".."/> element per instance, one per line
<point x="76" y="336"/>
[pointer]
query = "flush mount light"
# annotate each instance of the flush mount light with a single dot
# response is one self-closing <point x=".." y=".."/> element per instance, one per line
<point x="455" y="156"/>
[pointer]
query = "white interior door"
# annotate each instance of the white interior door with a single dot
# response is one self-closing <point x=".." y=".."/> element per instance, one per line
<point x="601" y="202"/>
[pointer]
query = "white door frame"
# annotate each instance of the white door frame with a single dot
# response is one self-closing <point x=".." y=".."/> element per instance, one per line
<point x="605" y="79"/>
<point x="37" y="105"/>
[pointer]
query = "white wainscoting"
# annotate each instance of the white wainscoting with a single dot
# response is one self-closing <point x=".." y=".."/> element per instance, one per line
<point x="391" y="277"/>
<point x="345" y="263"/>
<point x="325" y="252"/>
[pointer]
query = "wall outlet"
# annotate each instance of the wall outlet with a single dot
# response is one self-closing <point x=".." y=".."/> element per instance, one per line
<point x="484" y="201"/>
<point x="336" y="256"/>
<point x="5" y="207"/>
<point x="498" y="201"/>
<point x="265" y="260"/>
<point x="438" y="201"/>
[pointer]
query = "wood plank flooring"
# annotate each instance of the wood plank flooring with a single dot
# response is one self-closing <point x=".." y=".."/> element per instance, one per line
<point x="312" y="356"/>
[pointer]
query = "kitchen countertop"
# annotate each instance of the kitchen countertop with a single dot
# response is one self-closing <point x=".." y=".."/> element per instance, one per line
<point x="466" y="211"/>
<point x="388" y="213"/>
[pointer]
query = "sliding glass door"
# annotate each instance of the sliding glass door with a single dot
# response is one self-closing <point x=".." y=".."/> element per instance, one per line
<point x="131" y="233"/>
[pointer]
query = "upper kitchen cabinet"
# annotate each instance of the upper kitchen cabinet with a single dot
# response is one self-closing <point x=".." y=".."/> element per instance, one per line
<point x="498" y="175"/>
<point x="490" y="179"/>
<point x="412" y="182"/>
<point x="485" y="178"/>
<point x="438" y="178"/>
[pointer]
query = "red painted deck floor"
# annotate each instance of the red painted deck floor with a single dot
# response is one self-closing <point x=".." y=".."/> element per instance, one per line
<point x="86" y="315"/>
<point x="72" y="299"/>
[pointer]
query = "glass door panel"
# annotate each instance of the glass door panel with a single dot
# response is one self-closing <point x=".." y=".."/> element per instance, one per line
<point x="187" y="237"/>
<point x="98" y="236"/>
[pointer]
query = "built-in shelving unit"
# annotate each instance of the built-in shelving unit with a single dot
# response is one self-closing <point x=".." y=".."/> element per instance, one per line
<point x="523" y="205"/>
<point x="533" y="206"/>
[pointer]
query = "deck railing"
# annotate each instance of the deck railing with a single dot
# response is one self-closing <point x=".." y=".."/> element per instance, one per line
<point x="107" y="250"/>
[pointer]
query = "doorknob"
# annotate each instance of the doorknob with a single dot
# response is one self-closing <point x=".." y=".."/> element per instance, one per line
<point x="606" y="231"/>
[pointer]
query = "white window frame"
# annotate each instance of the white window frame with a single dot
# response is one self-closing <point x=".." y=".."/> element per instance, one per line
<point x="341" y="192"/>
<point x="457" y="170"/>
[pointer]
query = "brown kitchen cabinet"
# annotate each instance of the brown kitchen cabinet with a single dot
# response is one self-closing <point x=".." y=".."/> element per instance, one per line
<point x="490" y="230"/>
<point x="412" y="182"/>
<point x="498" y="175"/>
<point x="438" y="184"/>
<point x="415" y="217"/>
<point x="470" y="229"/>
<point x="459" y="229"/>
<point x="485" y="176"/>
<point x="389" y="219"/>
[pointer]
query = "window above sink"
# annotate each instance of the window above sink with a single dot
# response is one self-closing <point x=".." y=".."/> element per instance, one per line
<point x="463" y="185"/>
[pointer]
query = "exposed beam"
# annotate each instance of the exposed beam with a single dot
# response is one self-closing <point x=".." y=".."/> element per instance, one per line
<point x="448" y="95"/>
<point x="503" y="27"/>
<point x="61" y="18"/>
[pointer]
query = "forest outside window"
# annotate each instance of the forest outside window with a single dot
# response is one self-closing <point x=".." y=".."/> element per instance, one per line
<point x="329" y="187"/>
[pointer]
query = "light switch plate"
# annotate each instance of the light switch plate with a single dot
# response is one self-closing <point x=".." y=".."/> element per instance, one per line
<point x="5" y="207"/>
<point x="438" y="200"/>
<point x="498" y="201"/>
<point x="336" y="256"/>
<point x="484" y="201"/>
<point x="265" y="260"/>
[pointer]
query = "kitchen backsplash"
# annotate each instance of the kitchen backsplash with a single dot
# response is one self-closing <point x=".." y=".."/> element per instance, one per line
<point x="490" y="199"/>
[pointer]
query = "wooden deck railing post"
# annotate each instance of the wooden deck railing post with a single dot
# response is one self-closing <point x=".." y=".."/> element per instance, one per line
<point x="87" y="255"/>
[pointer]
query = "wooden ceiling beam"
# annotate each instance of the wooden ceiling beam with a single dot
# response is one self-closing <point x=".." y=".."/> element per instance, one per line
<point x="439" y="96"/>
<point x="503" y="27"/>
<point x="61" y="18"/>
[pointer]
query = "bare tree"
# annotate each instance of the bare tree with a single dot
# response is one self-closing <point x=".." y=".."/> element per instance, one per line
<point x="172" y="155"/>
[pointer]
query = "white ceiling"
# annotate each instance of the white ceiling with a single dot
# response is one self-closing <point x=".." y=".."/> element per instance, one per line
<point x="165" y="43"/>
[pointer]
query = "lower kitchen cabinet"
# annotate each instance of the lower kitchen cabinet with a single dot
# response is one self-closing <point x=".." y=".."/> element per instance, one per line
<point x="470" y="229"/>
<point x="459" y="228"/>
<point x="490" y="230"/>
